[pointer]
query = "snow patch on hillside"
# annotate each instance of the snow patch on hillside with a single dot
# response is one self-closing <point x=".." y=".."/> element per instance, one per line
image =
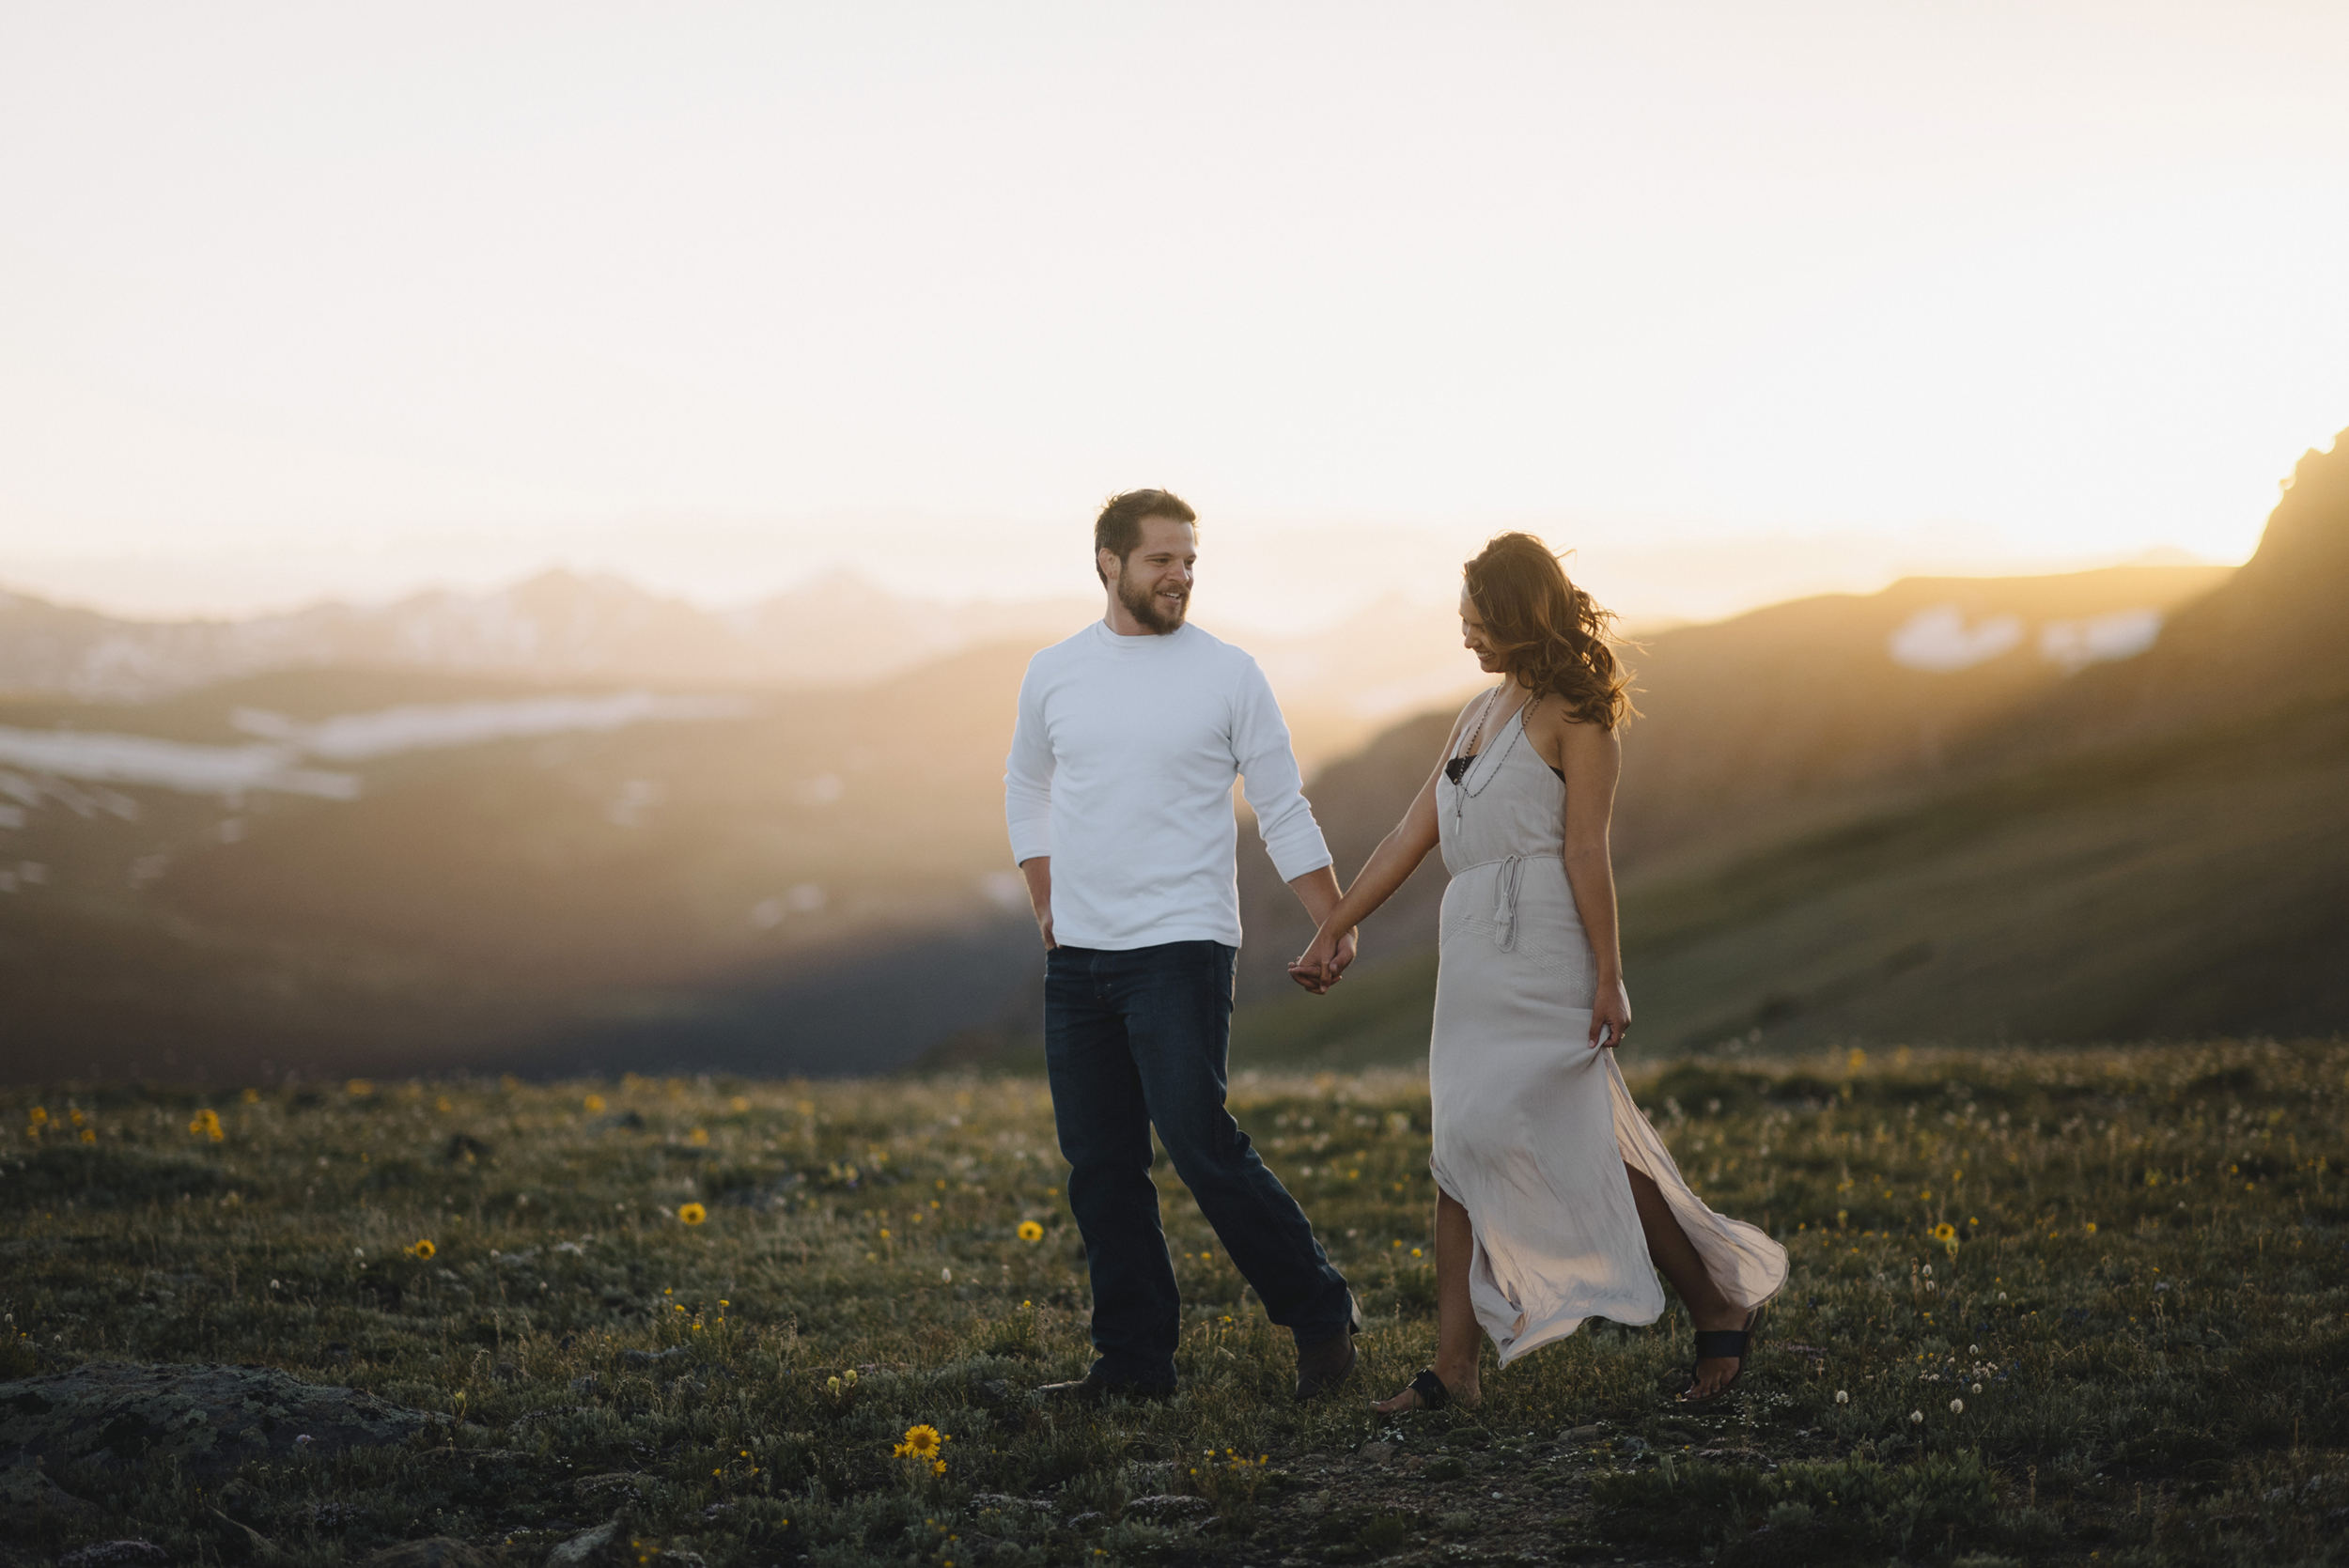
<point x="178" y="764"/>
<point x="272" y="761"/>
<point x="1939" y="640"/>
<point x="428" y="727"/>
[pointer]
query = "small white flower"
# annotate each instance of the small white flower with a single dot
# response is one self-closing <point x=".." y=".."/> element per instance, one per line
<point x="1977" y="1387"/>
<point x="946" y="1274"/>
<point x="1957" y="1407"/>
<point x="1973" y="1350"/>
<point x="1916" y="1418"/>
<point x="2002" y="1296"/>
<point x="1842" y="1397"/>
<point x="1928" y="1271"/>
<point x="1930" y="1285"/>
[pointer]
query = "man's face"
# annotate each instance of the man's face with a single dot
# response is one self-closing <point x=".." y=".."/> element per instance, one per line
<point x="1153" y="583"/>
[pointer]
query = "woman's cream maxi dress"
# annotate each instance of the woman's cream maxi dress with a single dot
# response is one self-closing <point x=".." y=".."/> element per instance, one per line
<point x="1532" y="1127"/>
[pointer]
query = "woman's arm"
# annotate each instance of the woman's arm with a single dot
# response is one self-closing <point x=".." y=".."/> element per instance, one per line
<point x="1388" y="868"/>
<point x="1591" y="759"/>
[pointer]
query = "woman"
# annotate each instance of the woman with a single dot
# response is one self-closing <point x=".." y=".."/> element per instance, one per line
<point x="1555" y="1201"/>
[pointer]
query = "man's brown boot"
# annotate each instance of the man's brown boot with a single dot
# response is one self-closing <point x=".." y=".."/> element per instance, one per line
<point x="1325" y="1364"/>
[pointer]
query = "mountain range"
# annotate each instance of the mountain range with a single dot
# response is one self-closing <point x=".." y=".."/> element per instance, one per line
<point x="833" y="631"/>
<point x="1338" y="682"/>
<point x="376" y="855"/>
<point x="2084" y="806"/>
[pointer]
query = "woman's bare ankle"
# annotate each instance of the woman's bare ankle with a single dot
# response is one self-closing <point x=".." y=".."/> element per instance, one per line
<point x="1723" y="1315"/>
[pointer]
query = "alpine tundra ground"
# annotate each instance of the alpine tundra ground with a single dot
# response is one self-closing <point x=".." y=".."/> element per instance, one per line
<point x="2047" y="1306"/>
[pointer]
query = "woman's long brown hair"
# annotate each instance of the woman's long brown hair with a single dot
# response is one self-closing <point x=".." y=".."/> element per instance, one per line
<point x="1550" y="634"/>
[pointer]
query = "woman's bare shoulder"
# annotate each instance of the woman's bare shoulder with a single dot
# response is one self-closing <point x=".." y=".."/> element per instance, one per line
<point x="1557" y="734"/>
<point x="1586" y="738"/>
<point x="1467" y="716"/>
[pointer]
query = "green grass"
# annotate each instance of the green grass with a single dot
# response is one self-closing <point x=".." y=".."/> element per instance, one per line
<point x="2144" y="1310"/>
<point x="2174" y="888"/>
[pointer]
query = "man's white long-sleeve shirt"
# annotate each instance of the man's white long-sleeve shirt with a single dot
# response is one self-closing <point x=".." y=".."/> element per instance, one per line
<point x="1121" y="770"/>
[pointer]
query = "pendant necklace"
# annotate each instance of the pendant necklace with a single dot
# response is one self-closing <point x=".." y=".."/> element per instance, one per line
<point x="1460" y="785"/>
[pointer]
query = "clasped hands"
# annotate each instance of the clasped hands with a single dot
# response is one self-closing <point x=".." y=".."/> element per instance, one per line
<point x="1323" y="961"/>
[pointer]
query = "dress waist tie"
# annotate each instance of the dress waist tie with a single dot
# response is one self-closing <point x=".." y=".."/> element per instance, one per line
<point x="1506" y="902"/>
<point x="1508" y="873"/>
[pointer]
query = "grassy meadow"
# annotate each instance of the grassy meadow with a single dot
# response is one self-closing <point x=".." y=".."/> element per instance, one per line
<point x="2047" y="1307"/>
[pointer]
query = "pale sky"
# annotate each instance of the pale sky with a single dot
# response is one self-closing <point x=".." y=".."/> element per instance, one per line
<point x="321" y="298"/>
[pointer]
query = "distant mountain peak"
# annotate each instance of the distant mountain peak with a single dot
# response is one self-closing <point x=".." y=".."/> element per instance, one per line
<point x="2308" y="530"/>
<point x="837" y="629"/>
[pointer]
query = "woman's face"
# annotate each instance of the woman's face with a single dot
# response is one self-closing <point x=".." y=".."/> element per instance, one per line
<point x="1477" y="641"/>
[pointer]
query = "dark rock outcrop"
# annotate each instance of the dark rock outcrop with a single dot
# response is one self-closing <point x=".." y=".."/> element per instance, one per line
<point x="207" y="1420"/>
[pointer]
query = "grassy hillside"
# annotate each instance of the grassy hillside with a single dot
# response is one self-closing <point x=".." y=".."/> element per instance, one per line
<point x="2129" y="1345"/>
<point x="1781" y="715"/>
<point x="2182" y="887"/>
<point x="2158" y="845"/>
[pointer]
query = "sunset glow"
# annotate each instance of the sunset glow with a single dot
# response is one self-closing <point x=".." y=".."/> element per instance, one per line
<point x="300" y="301"/>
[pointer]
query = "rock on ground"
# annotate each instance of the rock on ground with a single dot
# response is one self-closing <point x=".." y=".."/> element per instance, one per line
<point x="29" y="1500"/>
<point x="438" y="1551"/>
<point x="1170" y="1509"/>
<point x="610" y="1546"/>
<point x="604" y="1544"/>
<point x="118" y="1554"/>
<point x="208" y="1419"/>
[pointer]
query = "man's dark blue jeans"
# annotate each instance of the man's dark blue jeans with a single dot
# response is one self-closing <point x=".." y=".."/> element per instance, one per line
<point x="1141" y="1038"/>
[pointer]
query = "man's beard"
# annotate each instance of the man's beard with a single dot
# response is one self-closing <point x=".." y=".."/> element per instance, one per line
<point x="1143" y="606"/>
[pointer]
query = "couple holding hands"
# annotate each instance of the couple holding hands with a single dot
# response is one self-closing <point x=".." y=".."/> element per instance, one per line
<point x="1555" y="1201"/>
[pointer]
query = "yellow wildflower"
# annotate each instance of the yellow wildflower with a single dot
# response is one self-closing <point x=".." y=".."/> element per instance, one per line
<point x="1031" y="1230"/>
<point x="924" y="1441"/>
<point x="691" y="1214"/>
<point x="424" y="1248"/>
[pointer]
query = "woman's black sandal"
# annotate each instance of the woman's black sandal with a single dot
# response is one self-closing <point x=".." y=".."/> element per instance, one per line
<point x="1433" y="1395"/>
<point x="1727" y="1344"/>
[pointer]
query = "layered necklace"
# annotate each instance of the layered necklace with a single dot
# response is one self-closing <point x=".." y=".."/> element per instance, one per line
<point x="1465" y="763"/>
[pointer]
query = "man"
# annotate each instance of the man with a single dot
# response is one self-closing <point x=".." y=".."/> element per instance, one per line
<point x="1118" y="791"/>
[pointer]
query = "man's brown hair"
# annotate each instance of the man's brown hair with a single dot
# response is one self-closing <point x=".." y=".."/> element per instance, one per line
<point x="1118" y="529"/>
